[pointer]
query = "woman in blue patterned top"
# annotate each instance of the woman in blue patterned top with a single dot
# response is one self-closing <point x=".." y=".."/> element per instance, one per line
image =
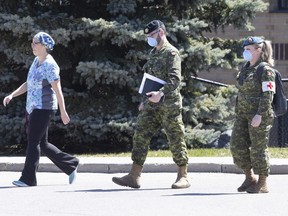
<point x="44" y="95"/>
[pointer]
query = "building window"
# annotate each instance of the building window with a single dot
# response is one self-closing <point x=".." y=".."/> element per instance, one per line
<point x="283" y="4"/>
<point x="280" y="51"/>
<point x="278" y="6"/>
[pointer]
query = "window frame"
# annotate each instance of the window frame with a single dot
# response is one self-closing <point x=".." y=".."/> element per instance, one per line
<point x="281" y="7"/>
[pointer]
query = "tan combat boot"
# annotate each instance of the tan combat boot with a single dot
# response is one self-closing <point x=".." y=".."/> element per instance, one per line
<point x="260" y="187"/>
<point x="182" y="180"/>
<point x="132" y="179"/>
<point x="249" y="180"/>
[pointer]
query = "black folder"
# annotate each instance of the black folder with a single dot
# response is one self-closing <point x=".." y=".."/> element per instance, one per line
<point x="150" y="83"/>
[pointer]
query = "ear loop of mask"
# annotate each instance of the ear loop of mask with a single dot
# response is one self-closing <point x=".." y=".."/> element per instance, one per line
<point x="158" y="38"/>
<point x="263" y="48"/>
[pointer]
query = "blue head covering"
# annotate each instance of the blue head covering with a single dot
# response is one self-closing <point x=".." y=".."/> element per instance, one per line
<point x="252" y="40"/>
<point x="46" y="40"/>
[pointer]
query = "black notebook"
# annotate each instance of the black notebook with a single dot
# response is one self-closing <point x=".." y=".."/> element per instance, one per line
<point x="150" y="83"/>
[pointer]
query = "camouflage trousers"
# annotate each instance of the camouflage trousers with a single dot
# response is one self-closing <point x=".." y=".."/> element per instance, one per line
<point x="149" y="121"/>
<point x="249" y="145"/>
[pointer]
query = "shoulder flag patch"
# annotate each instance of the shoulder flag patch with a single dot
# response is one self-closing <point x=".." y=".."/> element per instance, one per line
<point x="269" y="73"/>
<point x="268" y="86"/>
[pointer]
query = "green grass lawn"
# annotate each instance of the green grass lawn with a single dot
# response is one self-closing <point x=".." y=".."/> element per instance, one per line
<point x="274" y="153"/>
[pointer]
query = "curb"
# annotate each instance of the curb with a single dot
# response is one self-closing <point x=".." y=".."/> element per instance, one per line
<point x="152" y="164"/>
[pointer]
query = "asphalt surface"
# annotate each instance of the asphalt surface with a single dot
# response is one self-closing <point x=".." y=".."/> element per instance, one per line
<point x="213" y="190"/>
<point x="94" y="194"/>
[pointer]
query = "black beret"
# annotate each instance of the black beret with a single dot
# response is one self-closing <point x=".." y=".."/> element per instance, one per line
<point x="152" y="26"/>
<point x="252" y="40"/>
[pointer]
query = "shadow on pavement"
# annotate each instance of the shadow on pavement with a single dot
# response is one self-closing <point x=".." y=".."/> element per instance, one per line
<point x="117" y="190"/>
<point x="7" y="187"/>
<point x="206" y="194"/>
<point x="38" y="186"/>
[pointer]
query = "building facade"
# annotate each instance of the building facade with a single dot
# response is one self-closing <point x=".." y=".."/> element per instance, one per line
<point x="272" y="24"/>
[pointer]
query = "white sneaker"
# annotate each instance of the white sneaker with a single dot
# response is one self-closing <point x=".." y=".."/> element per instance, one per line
<point x="72" y="176"/>
<point x="20" y="184"/>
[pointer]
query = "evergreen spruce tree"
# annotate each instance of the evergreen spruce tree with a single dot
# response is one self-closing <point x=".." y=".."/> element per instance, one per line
<point x="101" y="48"/>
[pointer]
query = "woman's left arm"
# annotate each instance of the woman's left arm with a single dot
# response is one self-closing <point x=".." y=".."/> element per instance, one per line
<point x="268" y="91"/>
<point x="56" y="86"/>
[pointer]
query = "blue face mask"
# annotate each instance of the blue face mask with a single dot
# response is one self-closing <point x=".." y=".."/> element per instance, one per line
<point x="247" y="55"/>
<point x="152" y="41"/>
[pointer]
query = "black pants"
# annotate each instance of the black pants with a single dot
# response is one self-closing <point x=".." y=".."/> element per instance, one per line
<point x="38" y="125"/>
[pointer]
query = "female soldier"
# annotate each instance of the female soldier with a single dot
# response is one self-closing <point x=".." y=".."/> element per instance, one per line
<point x="254" y="115"/>
<point x="44" y="94"/>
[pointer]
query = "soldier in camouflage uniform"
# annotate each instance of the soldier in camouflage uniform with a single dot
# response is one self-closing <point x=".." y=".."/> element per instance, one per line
<point x="254" y="115"/>
<point x="161" y="109"/>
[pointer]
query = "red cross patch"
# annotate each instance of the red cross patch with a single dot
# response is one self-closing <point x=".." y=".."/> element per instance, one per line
<point x="268" y="86"/>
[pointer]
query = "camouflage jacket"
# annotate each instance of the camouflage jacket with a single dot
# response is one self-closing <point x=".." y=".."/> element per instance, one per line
<point x="166" y="65"/>
<point x="254" y="97"/>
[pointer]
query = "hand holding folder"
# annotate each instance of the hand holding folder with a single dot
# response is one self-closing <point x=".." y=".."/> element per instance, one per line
<point x="150" y="83"/>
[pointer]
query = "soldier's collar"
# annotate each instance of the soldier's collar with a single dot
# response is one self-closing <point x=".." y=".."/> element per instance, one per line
<point x="257" y="63"/>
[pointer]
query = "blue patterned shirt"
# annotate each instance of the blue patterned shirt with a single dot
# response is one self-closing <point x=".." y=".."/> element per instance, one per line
<point x="40" y="94"/>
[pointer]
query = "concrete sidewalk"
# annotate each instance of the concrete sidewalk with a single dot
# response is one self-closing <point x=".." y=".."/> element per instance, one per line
<point x="153" y="164"/>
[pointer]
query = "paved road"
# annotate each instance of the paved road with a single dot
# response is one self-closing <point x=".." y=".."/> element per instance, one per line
<point x="210" y="194"/>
